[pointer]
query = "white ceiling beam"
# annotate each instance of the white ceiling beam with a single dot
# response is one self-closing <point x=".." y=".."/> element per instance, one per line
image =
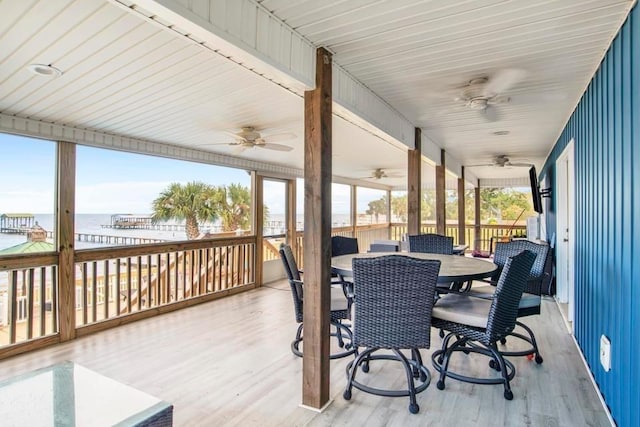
<point x="248" y="34"/>
<point x="58" y="132"/>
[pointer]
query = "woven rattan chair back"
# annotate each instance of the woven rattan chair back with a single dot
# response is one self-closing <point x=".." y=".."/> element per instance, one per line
<point x="536" y="275"/>
<point x="504" y="306"/>
<point x="394" y="297"/>
<point x="343" y="245"/>
<point x="431" y="244"/>
<point x="293" y="274"/>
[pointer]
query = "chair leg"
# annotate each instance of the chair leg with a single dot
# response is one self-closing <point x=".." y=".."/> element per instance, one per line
<point x="413" y="405"/>
<point x="508" y="394"/>
<point x="295" y="344"/>
<point x="339" y="336"/>
<point x="352" y="368"/>
<point x="534" y="343"/>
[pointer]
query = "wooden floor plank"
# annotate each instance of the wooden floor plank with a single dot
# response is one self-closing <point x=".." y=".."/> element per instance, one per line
<point x="228" y="362"/>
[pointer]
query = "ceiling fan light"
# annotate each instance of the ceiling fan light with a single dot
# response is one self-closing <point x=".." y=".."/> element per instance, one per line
<point x="44" y="70"/>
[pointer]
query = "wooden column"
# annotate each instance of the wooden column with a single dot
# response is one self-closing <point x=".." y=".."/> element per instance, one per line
<point x="388" y="214"/>
<point x="462" y="229"/>
<point x="257" y="183"/>
<point x="317" y="235"/>
<point x="441" y="213"/>
<point x="65" y="213"/>
<point x="414" y="186"/>
<point x="477" y="217"/>
<point x="354" y="211"/>
<point x="291" y="214"/>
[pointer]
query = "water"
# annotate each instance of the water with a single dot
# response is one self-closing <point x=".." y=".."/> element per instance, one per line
<point x="92" y="224"/>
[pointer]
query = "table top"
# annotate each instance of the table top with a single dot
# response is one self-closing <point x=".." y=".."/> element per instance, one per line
<point x="453" y="268"/>
<point x="69" y="394"/>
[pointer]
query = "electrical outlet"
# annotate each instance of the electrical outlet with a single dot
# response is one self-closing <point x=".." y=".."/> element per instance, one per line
<point x="605" y="353"/>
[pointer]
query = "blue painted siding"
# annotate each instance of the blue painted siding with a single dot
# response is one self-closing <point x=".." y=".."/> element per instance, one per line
<point x="606" y="128"/>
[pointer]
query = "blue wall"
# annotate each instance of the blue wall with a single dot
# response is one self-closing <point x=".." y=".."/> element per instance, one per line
<point x="606" y="130"/>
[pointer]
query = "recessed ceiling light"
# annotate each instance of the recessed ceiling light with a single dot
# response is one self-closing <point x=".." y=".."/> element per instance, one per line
<point x="501" y="132"/>
<point x="44" y="70"/>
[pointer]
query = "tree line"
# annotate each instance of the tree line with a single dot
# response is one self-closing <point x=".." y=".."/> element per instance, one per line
<point x="495" y="204"/>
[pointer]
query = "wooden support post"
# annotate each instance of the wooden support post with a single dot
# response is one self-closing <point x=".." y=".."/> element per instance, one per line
<point x="462" y="229"/>
<point x="257" y="183"/>
<point x="317" y="235"/>
<point x="441" y="212"/>
<point x="414" y="186"/>
<point x="65" y="213"/>
<point x="477" y="217"/>
<point x="291" y="215"/>
<point x="388" y="214"/>
<point x="354" y="211"/>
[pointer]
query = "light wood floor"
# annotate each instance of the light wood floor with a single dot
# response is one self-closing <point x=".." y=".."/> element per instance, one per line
<point x="228" y="363"/>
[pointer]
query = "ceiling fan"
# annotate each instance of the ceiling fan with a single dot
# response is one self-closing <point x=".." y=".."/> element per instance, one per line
<point x="501" y="161"/>
<point x="379" y="173"/>
<point x="483" y="93"/>
<point x="249" y="137"/>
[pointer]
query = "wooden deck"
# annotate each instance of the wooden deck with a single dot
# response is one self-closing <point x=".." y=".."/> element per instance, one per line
<point x="228" y="363"/>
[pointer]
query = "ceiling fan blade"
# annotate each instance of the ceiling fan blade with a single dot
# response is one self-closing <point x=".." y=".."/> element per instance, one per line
<point x="538" y="97"/>
<point x="503" y="80"/>
<point x="239" y="148"/>
<point x="274" y="147"/>
<point x="520" y="165"/>
<point x="285" y="136"/>
<point x="490" y="114"/>
<point x="480" y="166"/>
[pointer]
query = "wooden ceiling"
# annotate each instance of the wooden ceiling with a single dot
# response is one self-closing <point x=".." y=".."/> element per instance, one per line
<point x="127" y="75"/>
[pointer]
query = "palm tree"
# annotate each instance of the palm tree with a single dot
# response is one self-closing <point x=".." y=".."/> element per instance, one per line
<point x="191" y="202"/>
<point x="236" y="207"/>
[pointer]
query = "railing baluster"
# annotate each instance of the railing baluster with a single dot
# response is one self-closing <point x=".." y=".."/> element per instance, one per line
<point x="150" y="300"/>
<point x="117" y="296"/>
<point x="29" y="318"/>
<point x="184" y="275"/>
<point x="13" y="306"/>
<point x="54" y="299"/>
<point x="106" y="289"/>
<point x="129" y="282"/>
<point x="84" y="294"/>
<point x="94" y="291"/>
<point x="158" y="280"/>
<point x="43" y="301"/>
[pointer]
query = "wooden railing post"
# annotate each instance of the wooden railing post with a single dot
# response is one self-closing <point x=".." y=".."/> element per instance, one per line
<point x="317" y="241"/>
<point x="65" y="212"/>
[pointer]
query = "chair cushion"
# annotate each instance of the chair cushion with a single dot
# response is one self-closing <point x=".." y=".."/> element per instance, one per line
<point x="482" y="291"/>
<point x="486" y="292"/>
<point x="529" y="300"/>
<point x="462" y="309"/>
<point x="338" y="300"/>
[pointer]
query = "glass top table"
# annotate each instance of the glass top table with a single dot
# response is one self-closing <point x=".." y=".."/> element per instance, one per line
<point x="453" y="268"/>
<point x="68" y="394"/>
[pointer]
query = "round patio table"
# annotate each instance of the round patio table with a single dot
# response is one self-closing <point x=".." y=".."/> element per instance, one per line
<point x="453" y="268"/>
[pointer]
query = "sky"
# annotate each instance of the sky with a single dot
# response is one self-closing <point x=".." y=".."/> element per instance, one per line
<point x="109" y="181"/>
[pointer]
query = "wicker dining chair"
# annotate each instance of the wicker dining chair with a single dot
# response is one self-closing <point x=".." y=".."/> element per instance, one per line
<point x="394" y="296"/>
<point x="431" y="244"/>
<point x="476" y="325"/>
<point x="340" y="308"/>
<point x="531" y="300"/>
